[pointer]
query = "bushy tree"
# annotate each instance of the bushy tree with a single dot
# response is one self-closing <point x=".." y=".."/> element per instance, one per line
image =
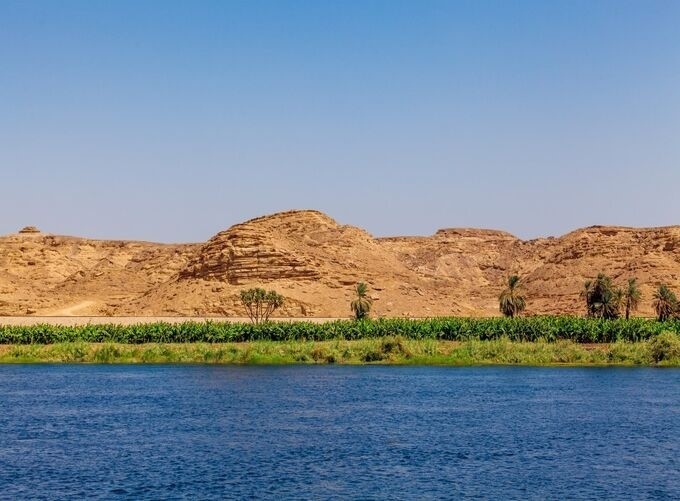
<point x="665" y="303"/>
<point x="603" y="299"/>
<point x="512" y="302"/>
<point x="260" y="304"/>
<point x="361" y="304"/>
<point x="631" y="297"/>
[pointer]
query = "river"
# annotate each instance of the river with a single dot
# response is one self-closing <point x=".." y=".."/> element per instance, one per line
<point x="322" y="432"/>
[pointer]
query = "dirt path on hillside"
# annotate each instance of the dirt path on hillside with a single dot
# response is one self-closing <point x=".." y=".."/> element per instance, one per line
<point x="70" y="311"/>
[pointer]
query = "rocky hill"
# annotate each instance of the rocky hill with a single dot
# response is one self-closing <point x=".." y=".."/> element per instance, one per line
<point x="314" y="262"/>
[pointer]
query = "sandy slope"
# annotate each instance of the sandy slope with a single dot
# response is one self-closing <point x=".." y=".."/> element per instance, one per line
<point x="314" y="262"/>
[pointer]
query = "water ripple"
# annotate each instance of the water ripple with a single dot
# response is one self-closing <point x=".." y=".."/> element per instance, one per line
<point x="207" y="432"/>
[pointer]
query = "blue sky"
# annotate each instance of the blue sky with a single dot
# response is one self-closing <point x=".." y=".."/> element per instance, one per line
<point x="170" y="121"/>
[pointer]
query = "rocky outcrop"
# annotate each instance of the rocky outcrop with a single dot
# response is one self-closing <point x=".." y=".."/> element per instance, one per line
<point x="249" y="252"/>
<point x="315" y="262"/>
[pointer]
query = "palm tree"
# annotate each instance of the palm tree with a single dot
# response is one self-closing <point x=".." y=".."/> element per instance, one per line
<point x="631" y="297"/>
<point x="260" y="304"/>
<point x="361" y="305"/>
<point x="665" y="302"/>
<point x="511" y="302"/>
<point x="603" y="300"/>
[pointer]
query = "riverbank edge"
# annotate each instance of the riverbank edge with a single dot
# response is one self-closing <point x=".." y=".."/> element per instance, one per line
<point x="375" y="351"/>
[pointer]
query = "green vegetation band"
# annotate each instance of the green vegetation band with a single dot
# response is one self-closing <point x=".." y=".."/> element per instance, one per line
<point x="548" y="328"/>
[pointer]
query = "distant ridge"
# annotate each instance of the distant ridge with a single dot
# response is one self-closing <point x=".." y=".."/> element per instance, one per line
<point x="314" y="262"/>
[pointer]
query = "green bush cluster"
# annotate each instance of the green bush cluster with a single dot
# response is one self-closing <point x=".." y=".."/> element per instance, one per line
<point x="545" y="328"/>
<point x="665" y="347"/>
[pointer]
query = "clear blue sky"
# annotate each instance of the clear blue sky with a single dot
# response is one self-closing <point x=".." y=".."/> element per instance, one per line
<point x="171" y="120"/>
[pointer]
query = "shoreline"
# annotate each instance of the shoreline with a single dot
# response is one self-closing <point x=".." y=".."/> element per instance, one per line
<point x="375" y="351"/>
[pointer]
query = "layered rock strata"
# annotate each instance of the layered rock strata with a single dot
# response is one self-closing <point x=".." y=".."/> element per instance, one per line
<point x="315" y="262"/>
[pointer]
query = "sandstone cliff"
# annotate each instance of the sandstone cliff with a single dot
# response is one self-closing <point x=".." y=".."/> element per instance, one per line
<point x="314" y="262"/>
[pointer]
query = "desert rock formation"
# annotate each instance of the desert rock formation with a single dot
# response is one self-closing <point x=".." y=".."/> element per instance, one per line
<point x="315" y="262"/>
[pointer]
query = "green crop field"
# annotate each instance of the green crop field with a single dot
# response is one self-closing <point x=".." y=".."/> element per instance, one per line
<point x="547" y="328"/>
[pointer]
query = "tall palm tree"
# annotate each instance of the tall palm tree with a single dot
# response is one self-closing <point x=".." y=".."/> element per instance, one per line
<point x="603" y="300"/>
<point x="665" y="302"/>
<point x="511" y="302"/>
<point x="631" y="297"/>
<point x="361" y="305"/>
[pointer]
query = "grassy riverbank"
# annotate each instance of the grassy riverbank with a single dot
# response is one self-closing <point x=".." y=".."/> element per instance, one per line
<point x="663" y="350"/>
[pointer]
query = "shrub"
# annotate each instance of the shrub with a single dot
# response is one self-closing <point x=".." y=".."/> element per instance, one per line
<point x="665" y="346"/>
<point x="372" y="355"/>
<point x="395" y="346"/>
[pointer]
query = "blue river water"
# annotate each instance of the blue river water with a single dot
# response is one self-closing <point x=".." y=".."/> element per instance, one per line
<point x="325" y="432"/>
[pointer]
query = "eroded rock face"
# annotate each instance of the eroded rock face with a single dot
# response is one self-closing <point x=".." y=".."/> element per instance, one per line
<point x="250" y="252"/>
<point x="315" y="262"/>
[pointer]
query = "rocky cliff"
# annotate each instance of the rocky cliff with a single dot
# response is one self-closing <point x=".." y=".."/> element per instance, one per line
<point x="314" y="262"/>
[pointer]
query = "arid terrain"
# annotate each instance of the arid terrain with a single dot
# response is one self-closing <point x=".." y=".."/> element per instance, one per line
<point x="315" y="262"/>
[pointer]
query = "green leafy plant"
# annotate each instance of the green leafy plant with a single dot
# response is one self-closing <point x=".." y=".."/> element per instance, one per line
<point x="260" y="304"/>
<point x="361" y="304"/>
<point x="603" y="299"/>
<point x="535" y="328"/>
<point x="631" y="297"/>
<point x="665" y="346"/>
<point x="665" y="303"/>
<point x="512" y="302"/>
